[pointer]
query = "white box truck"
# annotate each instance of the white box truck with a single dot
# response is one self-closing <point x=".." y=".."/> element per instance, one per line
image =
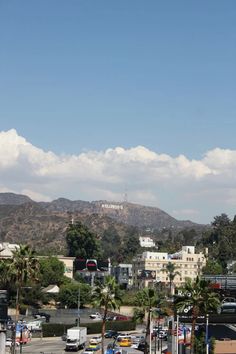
<point x="76" y="338"/>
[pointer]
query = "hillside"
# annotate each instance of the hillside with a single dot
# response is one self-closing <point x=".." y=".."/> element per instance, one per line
<point x="128" y="213"/>
<point x="25" y="221"/>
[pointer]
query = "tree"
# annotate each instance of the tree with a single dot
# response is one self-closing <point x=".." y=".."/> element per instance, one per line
<point x="110" y="244"/>
<point x="81" y="242"/>
<point x="146" y="300"/>
<point x="200" y="298"/>
<point x="107" y="296"/>
<point x="69" y="294"/>
<point x="131" y="243"/>
<point x="200" y="343"/>
<point x="212" y="267"/>
<point x="171" y="271"/>
<point x="221" y="221"/>
<point x="23" y="268"/>
<point x="51" y="271"/>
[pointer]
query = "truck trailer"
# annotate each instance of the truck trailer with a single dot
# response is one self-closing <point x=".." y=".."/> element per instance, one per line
<point x="76" y="338"/>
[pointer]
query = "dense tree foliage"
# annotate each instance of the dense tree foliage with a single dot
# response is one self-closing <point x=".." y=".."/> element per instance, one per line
<point x="221" y="240"/>
<point x="81" y="241"/>
<point x="18" y="274"/>
<point x="51" y="271"/>
<point x="131" y="244"/>
<point x="72" y="292"/>
<point x="212" y="267"/>
<point x="111" y="245"/>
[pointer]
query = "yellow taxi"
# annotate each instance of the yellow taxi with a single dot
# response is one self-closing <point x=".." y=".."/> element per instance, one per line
<point x="124" y="341"/>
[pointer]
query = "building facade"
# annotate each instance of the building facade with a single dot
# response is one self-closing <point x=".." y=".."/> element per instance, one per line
<point x="123" y="275"/>
<point x="149" y="267"/>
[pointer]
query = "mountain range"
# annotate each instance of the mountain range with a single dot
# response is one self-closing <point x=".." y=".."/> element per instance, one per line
<point x="23" y="220"/>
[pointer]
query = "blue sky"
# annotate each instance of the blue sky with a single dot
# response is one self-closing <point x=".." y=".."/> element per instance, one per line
<point x="77" y="76"/>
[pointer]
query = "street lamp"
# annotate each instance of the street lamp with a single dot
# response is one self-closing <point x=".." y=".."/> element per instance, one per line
<point x="207" y="340"/>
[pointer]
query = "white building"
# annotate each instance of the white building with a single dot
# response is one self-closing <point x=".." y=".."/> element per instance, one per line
<point x="6" y="249"/>
<point x="146" y="241"/>
<point x="149" y="267"/>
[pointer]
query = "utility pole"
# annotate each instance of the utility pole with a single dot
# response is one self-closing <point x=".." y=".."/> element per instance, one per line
<point x="207" y="339"/>
<point x="79" y="307"/>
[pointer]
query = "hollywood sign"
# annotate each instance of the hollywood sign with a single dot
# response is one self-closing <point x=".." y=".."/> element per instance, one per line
<point x="112" y="206"/>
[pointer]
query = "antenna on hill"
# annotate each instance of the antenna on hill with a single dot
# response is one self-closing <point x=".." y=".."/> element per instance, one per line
<point x="125" y="196"/>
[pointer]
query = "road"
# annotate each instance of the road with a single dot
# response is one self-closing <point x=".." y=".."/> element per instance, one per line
<point x="44" y="346"/>
<point x="52" y="345"/>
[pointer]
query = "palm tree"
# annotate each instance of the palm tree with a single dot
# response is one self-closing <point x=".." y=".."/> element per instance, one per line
<point x="148" y="301"/>
<point x="170" y="269"/>
<point x="108" y="297"/>
<point x="197" y="295"/>
<point x="23" y="268"/>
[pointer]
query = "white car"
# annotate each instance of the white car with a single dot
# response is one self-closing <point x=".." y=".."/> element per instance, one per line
<point x="95" y="316"/>
<point x="95" y="340"/>
<point x="8" y="343"/>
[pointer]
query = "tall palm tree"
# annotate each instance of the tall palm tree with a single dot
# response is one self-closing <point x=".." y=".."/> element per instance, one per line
<point x="23" y="268"/>
<point x="107" y="296"/>
<point x="148" y="301"/>
<point x="171" y="270"/>
<point x="197" y="295"/>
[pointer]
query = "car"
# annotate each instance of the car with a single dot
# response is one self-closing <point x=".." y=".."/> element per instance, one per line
<point x="42" y="315"/>
<point x="64" y="337"/>
<point x="111" y="334"/>
<point x="136" y="340"/>
<point x="95" y="316"/>
<point x="93" y="350"/>
<point x="124" y="341"/>
<point x="113" y="348"/>
<point x="142" y="346"/>
<point x="95" y="340"/>
<point x="163" y="335"/>
<point x="8" y="343"/>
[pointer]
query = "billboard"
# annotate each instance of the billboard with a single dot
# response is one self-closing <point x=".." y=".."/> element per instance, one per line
<point x="90" y="265"/>
<point x="147" y="274"/>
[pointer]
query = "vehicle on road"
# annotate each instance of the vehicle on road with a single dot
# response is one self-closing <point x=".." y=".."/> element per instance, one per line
<point x="124" y="341"/>
<point x="8" y="343"/>
<point x="136" y="340"/>
<point x="111" y="334"/>
<point x="76" y="338"/>
<point x="142" y="346"/>
<point x="42" y="315"/>
<point x="93" y="350"/>
<point x="113" y="348"/>
<point x="64" y="337"/>
<point x="96" y="316"/>
<point x="95" y="340"/>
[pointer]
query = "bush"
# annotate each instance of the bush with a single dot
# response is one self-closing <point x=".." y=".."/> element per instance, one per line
<point x="57" y="329"/>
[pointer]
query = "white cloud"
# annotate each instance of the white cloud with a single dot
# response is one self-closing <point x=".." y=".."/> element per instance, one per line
<point x="37" y="197"/>
<point x="189" y="187"/>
